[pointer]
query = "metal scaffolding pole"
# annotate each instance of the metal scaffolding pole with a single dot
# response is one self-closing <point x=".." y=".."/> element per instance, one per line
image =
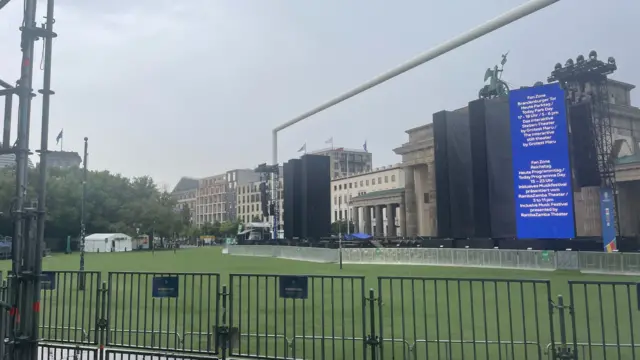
<point x="23" y="299"/>
<point x="475" y="33"/>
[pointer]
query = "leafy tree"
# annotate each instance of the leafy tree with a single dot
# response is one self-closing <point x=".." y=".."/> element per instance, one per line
<point x="340" y="226"/>
<point x="113" y="203"/>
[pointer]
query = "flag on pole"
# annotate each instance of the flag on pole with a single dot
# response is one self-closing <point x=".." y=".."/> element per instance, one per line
<point x="303" y="148"/>
<point x="365" y="146"/>
<point x="59" y="137"/>
<point x="330" y="141"/>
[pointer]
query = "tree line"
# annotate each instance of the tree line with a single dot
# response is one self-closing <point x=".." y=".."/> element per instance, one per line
<point x="113" y="204"/>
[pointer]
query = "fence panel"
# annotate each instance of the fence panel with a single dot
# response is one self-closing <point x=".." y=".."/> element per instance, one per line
<point x="438" y="318"/>
<point x="55" y="352"/>
<point x="605" y="318"/>
<point x="69" y="313"/>
<point x="611" y="263"/>
<point x="4" y="315"/>
<point x="328" y="324"/>
<point x="112" y="354"/>
<point x="163" y="311"/>
<point x="487" y="258"/>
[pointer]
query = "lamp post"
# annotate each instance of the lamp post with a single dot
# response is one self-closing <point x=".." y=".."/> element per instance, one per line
<point x="81" y="281"/>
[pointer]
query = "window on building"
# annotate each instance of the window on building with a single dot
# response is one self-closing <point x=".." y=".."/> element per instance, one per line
<point x="426" y="198"/>
<point x="335" y="215"/>
<point x="335" y="187"/>
<point x="340" y="187"/>
<point x="373" y="181"/>
<point x="360" y="182"/>
<point x="380" y="180"/>
<point x="335" y="201"/>
<point x="367" y="182"/>
<point x="386" y="179"/>
<point x="393" y="178"/>
<point x="350" y="184"/>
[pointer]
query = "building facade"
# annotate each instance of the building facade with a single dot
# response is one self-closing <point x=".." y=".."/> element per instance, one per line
<point x="63" y="159"/>
<point x="249" y="206"/>
<point x="235" y="179"/>
<point x="185" y="193"/>
<point x="211" y="204"/>
<point x="345" y="162"/>
<point x="213" y="198"/>
<point x="354" y="198"/>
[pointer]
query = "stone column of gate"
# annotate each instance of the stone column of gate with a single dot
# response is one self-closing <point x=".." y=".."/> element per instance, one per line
<point x="379" y="221"/>
<point x="367" y="219"/>
<point x="402" y="212"/>
<point x="410" y="210"/>
<point x="356" y="219"/>
<point x="391" y="220"/>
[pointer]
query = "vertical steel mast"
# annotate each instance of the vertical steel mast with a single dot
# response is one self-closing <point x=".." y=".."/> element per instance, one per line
<point x="24" y="293"/>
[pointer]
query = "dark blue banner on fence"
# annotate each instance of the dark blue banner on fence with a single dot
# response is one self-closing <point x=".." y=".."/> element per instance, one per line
<point x="48" y="280"/>
<point x="165" y="287"/>
<point x="294" y="287"/>
<point x="608" y="221"/>
<point x="541" y="166"/>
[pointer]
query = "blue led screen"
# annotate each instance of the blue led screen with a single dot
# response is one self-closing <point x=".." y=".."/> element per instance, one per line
<point x="541" y="166"/>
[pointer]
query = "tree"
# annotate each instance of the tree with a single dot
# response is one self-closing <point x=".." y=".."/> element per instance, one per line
<point x="113" y="203"/>
<point x="340" y="227"/>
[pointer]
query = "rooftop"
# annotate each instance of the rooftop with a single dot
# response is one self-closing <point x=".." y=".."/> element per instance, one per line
<point x="372" y="171"/>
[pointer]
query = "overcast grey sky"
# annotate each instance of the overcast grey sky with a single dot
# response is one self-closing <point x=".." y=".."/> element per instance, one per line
<point x="194" y="87"/>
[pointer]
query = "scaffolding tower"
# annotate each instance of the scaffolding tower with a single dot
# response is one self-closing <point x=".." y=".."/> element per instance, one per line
<point x="22" y="303"/>
<point x="586" y="80"/>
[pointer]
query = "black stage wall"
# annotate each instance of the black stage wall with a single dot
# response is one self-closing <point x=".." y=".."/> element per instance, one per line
<point x="316" y="196"/>
<point x="443" y="205"/>
<point x="460" y="174"/>
<point x="500" y="169"/>
<point x="478" y="143"/>
<point x="292" y="202"/>
<point x="583" y="147"/>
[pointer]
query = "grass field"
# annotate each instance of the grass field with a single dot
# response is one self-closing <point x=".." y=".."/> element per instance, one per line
<point x="443" y="312"/>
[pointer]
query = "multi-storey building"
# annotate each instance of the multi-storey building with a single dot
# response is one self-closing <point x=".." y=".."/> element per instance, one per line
<point x="236" y="178"/>
<point x="63" y="159"/>
<point x="185" y="194"/>
<point x="216" y="196"/>
<point x="211" y="204"/>
<point x="347" y="192"/>
<point x="345" y="162"/>
<point x="249" y="206"/>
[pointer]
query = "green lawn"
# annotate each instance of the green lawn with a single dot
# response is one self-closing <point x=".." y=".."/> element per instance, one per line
<point x="477" y="313"/>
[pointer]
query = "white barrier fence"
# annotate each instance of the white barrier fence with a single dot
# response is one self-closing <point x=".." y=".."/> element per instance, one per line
<point x="592" y="262"/>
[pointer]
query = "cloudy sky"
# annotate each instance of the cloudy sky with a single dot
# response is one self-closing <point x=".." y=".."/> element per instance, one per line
<point x="194" y="87"/>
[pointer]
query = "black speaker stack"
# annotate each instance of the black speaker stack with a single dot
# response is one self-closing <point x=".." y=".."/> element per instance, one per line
<point x="307" y="197"/>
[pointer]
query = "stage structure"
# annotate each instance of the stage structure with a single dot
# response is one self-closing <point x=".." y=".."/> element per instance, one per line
<point x="507" y="18"/>
<point x="23" y="300"/>
<point x="268" y="195"/>
<point x="585" y="82"/>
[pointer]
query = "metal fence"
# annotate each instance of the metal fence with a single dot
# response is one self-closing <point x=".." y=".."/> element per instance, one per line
<point x="435" y="318"/>
<point x="606" y="323"/>
<point x="328" y="321"/>
<point x="183" y="319"/>
<point x="592" y="262"/>
<point x="193" y="316"/>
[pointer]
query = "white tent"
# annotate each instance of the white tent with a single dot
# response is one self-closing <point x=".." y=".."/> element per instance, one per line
<point x="108" y="243"/>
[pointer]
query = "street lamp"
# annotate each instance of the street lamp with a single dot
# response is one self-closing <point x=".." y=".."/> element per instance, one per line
<point x="81" y="281"/>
